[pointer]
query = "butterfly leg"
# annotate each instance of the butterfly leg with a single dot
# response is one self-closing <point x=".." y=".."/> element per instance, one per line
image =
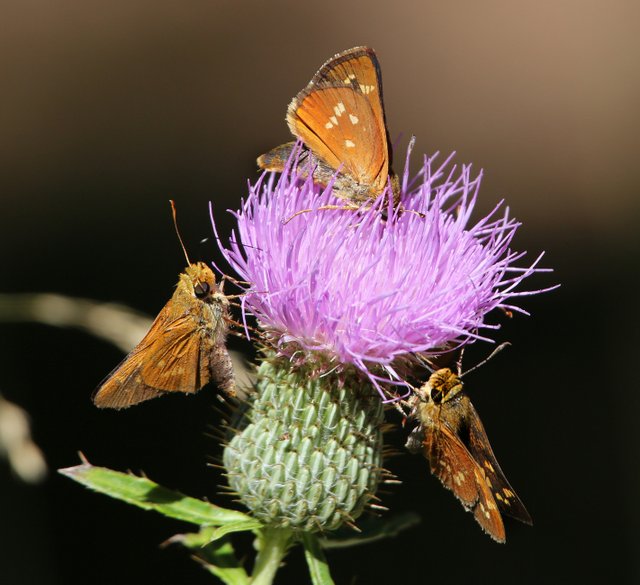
<point x="325" y="208"/>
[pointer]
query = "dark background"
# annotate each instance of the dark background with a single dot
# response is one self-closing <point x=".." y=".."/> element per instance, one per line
<point x="110" y="109"/>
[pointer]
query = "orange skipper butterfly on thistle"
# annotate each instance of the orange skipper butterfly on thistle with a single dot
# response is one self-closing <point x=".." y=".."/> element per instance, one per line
<point x="340" y="119"/>
<point x="184" y="349"/>
<point x="452" y="438"/>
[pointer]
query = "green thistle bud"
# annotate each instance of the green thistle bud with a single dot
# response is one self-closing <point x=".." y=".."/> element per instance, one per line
<point x="308" y="451"/>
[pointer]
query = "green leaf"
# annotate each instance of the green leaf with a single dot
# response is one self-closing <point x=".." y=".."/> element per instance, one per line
<point x="209" y="534"/>
<point x="148" y="495"/>
<point x="373" y="530"/>
<point x="318" y="567"/>
<point x="243" y="526"/>
<point x="194" y="540"/>
<point x="219" y="559"/>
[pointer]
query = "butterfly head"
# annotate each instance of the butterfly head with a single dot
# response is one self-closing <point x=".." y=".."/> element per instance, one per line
<point x="200" y="282"/>
<point x="442" y="386"/>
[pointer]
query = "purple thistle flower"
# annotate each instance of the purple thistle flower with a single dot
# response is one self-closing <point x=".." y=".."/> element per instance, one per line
<point x="364" y="288"/>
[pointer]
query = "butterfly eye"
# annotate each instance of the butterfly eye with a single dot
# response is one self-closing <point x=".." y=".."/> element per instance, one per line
<point x="201" y="289"/>
<point x="437" y="395"/>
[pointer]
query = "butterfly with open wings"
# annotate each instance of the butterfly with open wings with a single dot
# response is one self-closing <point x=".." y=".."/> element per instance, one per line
<point x="340" y="119"/>
<point x="451" y="436"/>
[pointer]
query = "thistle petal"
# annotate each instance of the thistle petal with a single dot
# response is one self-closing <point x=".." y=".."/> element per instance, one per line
<point x="364" y="286"/>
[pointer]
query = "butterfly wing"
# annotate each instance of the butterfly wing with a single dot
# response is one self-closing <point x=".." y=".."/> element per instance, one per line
<point x="170" y="357"/>
<point x="179" y="362"/>
<point x="508" y="501"/>
<point x="340" y="118"/>
<point x="183" y="349"/>
<point x="339" y="126"/>
<point x="277" y="158"/>
<point x="344" y="186"/>
<point x="451" y="462"/>
<point x="358" y="68"/>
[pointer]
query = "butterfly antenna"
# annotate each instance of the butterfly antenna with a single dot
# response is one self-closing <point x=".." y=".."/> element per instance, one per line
<point x="175" y="224"/>
<point x="495" y="352"/>
<point x="459" y="362"/>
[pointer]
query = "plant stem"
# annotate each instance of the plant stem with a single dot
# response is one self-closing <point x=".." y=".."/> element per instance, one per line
<point x="274" y="543"/>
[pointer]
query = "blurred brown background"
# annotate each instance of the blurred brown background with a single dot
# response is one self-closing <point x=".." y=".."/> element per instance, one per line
<point x="107" y="110"/>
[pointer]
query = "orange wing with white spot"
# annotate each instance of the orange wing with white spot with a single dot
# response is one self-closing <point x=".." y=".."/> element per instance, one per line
<point x="452" y="463"/>
<point x="359" y="69"/>
<point x="340" y="119"/>
<point x="338" y="125"/>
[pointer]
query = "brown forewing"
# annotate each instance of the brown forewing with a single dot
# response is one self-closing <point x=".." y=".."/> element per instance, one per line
<point x="451" y="462"/>
<point x="183" y="350"/>
<point x="460" y="455"/>
<point x="506" y="498"/>
<point x="358" y="67"/>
